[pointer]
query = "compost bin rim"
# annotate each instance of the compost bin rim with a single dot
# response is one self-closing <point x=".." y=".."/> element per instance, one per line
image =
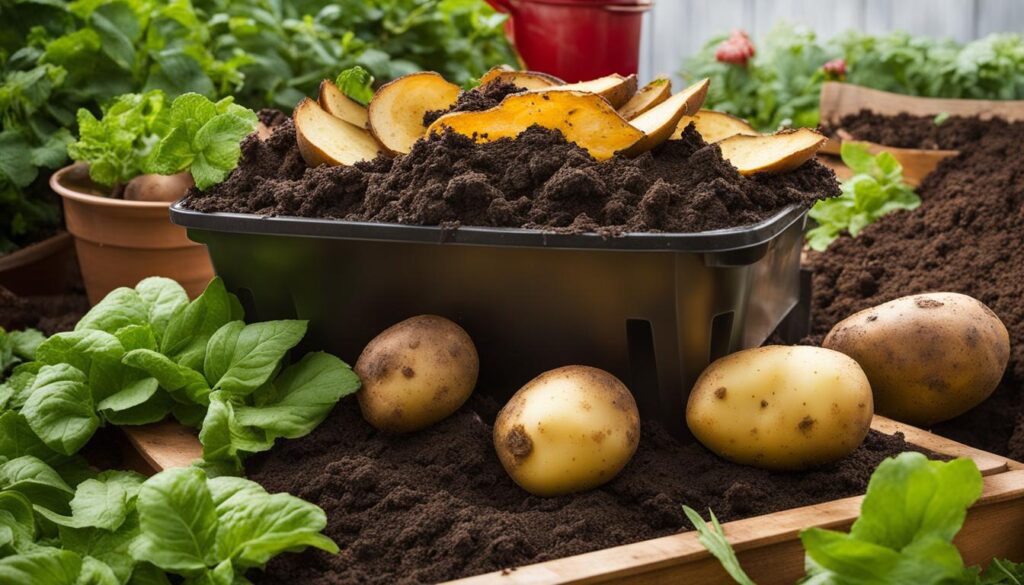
<point x="722" y="240"/>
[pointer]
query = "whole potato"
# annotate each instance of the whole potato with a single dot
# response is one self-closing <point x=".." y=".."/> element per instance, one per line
<point x="929" y="357"/>
<point x="416" y="373"/>
<point x="567" y="430"/>
<point x="781" y="407"/>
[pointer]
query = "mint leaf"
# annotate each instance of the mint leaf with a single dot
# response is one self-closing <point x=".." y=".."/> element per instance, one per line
<point x="203" y="137"/>
<point x="178" y="522"/>
<point x="37" y="481"/>
<point x="189" y="329"/>
<point x="240" y="358"/>
<point x="300" y="398"/>
<point x="174" y="378"/>
<point x="255" y="526"/>
<point x="103" y="502"/>
<point x="913" y="509"/>
<point x="163" y="299"/>
<point x="356" y="83"/>
<point x="121" y="307"/>
<point x="60" y="409"/>
<point x="45" y="565"/>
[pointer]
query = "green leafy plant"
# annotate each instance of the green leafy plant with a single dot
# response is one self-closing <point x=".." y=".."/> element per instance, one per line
<point x="904" y="535"/>
<point x="875" y="190"/>
<point x="57" y="57"/>
<point x="145" y="353"/>
<point x="202" y="137"/>
<point x="116" y="527"/>
<point x="18" y="346"/>
<point x="780" y="84"/>
<point x="356" y="83"/>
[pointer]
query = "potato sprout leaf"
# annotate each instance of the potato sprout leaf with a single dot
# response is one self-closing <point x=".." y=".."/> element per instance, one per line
<point x="202" y="137"/>
<point x="714" y="540"/>
<point x="876" y="190"/>
<point x="913" y="509"/>
<point x="356" y="83"/>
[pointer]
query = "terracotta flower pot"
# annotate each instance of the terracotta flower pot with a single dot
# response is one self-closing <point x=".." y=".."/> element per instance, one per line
<point x="43" y="268"/>
<point x="121" y="242"/>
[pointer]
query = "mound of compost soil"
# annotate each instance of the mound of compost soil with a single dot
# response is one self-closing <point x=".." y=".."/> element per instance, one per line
<point x="968" y="237"/>
<point x="909" y="131"/>
<point x="538" y="180"/>
<point x="47" y="313"/>
<point x="477" y="99"/>
<point x="437" y="505"/>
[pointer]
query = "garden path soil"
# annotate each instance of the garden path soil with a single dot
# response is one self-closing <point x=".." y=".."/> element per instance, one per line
<point x="910" y="131"/>
<point x="437" y="505"/>
<point x="535" y="181"/>
<point x="967" y="236"/>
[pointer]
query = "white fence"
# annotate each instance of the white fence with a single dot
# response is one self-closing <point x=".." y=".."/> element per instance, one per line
<point x="675" y="29"/>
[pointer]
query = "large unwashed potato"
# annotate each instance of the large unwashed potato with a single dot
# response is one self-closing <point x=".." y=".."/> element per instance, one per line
<point x="416" y="373"/>
<point x="781" y="408"/>
<point x="929" y="357"/>
<point x="567" y="430"/>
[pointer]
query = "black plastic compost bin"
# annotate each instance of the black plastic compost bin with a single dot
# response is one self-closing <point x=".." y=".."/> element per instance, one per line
<point x="654" y="309"/>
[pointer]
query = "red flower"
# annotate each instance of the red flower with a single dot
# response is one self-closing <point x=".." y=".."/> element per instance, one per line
<point x="835" y="67"/>
<point x="737" y="49"/>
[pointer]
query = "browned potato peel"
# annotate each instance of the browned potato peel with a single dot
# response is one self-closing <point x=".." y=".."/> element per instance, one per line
<point x="771" y="153"/>
<point x="396" y="111"/>
<point x="336" y="103"/>
<point x="614" y="88"/>
<point x="646" y="98"/>
<point x="714" y="126"/>
<point x="325" y="139"/>
<point x="583" y="118"/>
<point x="660" y="122"/>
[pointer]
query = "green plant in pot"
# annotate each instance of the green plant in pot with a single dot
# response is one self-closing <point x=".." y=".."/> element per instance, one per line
<point x="140" y="155"/>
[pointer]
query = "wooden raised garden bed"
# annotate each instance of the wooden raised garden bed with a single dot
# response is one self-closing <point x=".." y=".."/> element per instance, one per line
<point x="842" y="99"/>
<point x="768" y="546"/>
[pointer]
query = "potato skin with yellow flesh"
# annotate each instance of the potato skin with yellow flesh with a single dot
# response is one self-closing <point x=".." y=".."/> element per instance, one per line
<point x="416" y="373"/>
<point x="568" y="430"/>
<point x="929" y="357"/>
<point x="781" y="407"/>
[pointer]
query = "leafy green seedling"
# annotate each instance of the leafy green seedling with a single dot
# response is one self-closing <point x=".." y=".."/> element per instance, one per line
<point x="875" y="190"/>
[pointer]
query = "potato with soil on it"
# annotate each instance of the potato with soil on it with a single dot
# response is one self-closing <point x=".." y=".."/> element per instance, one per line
<point x="416" y="373"/>
<point x="781" y="407"/>
<point x="567" y="430"/>
<point x="929" y="357"/>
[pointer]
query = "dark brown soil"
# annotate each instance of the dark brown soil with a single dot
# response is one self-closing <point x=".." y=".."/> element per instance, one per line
<point x="50" y="314"/>
<point x="477" y="99"/>
<point x="535" y="181"/>
<point x="908" y="131"/>
<point x="437" y="505"/>
<point x="967" y="236"/>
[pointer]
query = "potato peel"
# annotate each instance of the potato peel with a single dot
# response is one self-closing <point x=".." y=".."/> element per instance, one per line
<point x="396" y="110"/>
<point x="584" y="118"/>
<point x="659" y="122"/>
<point x="714" y="126"/>
<point x="336" y="103"/>
<point x="615" y="88"/>
<point x="772" y="153"/>
<point x="326" y="139"/>
<point x="646" y="98"/>
<point x="529" y="80"/>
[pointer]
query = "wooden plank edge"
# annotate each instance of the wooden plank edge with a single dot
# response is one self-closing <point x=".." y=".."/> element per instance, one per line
<point x="659" y="556"/>
<point x="988" y="463"/>
<point x="839" y="99"/>
<point x="165" y="444"/>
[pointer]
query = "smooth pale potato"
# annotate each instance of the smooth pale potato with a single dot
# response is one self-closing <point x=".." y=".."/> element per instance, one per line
<point x="781" y="407"/>
<point x="416" y="373"/>
<point x="929" y="357"/>
<point x="567" y="430"/>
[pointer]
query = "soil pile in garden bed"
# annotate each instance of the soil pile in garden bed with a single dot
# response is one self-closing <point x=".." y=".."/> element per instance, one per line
<point x="538" y="180"/>
<point x="967" y="236"/>
<point x="482" y="98"/>
<point x="909" y="131"/>
<point x="437" y="505"/>
<point x="48" y="313"/>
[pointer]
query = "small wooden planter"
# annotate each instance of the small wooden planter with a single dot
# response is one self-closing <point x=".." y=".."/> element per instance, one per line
<point x="842" y="99"/>
<point x="768" y="546"/>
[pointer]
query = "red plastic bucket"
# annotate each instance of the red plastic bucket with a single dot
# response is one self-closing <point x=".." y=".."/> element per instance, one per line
<point x="577" y="39"/>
